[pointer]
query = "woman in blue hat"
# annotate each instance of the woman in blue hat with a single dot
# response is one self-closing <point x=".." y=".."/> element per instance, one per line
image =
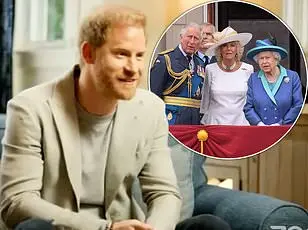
<point x="274" y="94"/>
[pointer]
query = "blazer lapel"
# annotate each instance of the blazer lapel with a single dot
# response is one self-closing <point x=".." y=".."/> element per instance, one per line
<point x="122" y="151"/>
<point x="64" y="111"/>
<point x="277" y="85"/>
<point x="197" y="66"/>
<point x="212" y="60"/>
<point x="267" y="89"/>
<point x="180" y="58"/>
<point x="279" y="81"/>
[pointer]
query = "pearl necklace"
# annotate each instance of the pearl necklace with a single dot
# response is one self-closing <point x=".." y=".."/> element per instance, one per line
<point x="275" y="75"/>
<point x="227" y="67"/>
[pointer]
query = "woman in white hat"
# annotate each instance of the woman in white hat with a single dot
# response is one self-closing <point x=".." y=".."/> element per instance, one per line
<point x="225" y="86"/>
<point x="274" y="94"/>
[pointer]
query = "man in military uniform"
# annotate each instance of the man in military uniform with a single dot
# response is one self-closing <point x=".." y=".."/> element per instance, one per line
<point x="177" y="77"/>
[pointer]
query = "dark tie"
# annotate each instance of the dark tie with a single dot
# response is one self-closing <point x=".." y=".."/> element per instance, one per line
<point x="206" y="60"/>
<point x="189" y="59"/>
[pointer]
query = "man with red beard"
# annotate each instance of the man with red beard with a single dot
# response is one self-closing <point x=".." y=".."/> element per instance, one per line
<point x="73" y="147"/>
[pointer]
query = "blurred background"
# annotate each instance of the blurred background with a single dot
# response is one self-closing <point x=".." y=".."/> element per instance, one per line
<point x="38" y="43"/>
<point x="45" y="31"/>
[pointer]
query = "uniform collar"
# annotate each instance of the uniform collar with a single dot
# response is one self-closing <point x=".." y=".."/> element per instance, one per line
<point x="183" y="52"/>
<point x="201" y="55"/>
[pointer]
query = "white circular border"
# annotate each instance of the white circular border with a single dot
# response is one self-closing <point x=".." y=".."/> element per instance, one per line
<point x="290" y="30"/>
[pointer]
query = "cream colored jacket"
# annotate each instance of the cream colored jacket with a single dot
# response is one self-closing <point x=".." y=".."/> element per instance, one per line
<point x="41" y="165"/>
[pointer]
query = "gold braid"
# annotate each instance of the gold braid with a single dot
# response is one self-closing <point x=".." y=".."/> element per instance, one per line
<point x="182" y="76"/>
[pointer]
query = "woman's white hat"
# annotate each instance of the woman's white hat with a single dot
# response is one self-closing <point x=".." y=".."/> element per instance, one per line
<point x="225" y="36"/>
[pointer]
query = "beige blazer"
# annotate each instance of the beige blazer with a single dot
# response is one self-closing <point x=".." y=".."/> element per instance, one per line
<point x="41" y="165"/>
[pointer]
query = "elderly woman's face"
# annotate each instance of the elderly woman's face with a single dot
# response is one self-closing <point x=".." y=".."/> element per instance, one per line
<point x="267" y="61"/>
<point x="228" y="50"/>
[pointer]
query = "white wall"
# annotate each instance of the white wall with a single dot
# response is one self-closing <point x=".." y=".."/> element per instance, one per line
<point x="34" y="63"/>
<point x="39" y="61"/>
<point x="295" y="15"/>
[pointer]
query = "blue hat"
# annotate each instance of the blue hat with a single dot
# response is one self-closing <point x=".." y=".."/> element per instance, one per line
<point x="266" y="45"/>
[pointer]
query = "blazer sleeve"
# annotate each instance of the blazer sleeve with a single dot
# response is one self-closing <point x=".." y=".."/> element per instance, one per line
<point x="250" y="113"/>
<point x="297" y="100"/>
<point x="22" y="174"/>
<point x="158" y="78"/>
<point x="158" y="181"/>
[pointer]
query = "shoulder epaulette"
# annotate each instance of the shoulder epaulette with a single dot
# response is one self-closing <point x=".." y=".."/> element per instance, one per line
<point x="166" y="51"/>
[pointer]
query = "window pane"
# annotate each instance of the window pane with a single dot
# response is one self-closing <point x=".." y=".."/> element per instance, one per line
<point x="55" y="19"/>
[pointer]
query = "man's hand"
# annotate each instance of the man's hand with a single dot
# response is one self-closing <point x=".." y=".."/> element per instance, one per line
<point x="131" y="225"/>
<point x="208" y="44"/>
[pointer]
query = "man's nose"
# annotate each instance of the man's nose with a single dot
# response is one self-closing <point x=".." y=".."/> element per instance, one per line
<point x="131" y="65"/>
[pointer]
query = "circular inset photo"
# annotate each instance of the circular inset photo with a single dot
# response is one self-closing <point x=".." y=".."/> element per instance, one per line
<point x="232" y="76"/>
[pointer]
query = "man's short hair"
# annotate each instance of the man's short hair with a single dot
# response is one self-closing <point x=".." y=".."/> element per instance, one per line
<point x="96" y="26"/>
<point x="190" y="25"/>
<point x="209" y="24"/>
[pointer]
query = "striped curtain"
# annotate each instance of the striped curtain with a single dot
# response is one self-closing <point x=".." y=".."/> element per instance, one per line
<point x="6" y="43"/>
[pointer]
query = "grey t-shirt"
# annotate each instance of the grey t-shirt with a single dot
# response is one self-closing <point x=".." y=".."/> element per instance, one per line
<point x="95" y="133"/>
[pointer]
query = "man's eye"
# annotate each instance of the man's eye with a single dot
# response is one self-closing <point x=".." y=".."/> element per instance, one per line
<point x="140" y="56"/>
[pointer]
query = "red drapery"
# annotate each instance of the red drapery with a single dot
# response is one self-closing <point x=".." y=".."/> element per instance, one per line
<point x="228" y="141"/>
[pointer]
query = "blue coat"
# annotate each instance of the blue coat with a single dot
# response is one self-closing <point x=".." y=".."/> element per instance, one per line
<point x="209" y="60"/>
<point x="164" y="84"/>
<point x="281" y="105"/>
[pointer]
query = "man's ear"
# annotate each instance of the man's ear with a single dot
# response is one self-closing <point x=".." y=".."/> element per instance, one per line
<point x="87" y="53"/>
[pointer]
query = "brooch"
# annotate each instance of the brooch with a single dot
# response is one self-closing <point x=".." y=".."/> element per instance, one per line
<point x="286" y="80"/>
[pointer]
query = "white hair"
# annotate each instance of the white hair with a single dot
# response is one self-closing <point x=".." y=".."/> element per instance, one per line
<point x="276" y="55"/>
<point x="210" y="25"/>
<point x="190" y="25"/>
<point x="207" y="24"/>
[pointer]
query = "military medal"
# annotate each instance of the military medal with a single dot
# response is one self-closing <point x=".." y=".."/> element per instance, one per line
<point x="169" y="116"/>
<point x="197" y="94"/>
<point x="200" y="71"/>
